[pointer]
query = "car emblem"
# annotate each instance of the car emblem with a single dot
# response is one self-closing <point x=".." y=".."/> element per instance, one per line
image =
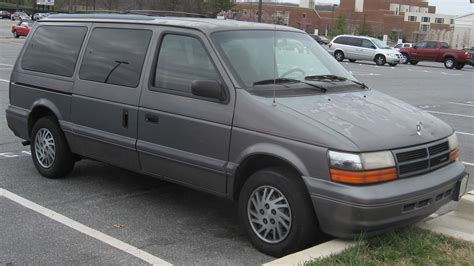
<point x="419" y="127"/>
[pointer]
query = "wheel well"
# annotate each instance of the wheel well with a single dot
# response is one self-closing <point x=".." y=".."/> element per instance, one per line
<point x="378" y="55"/>
<point x="449" y="56"/>
<point x="254" y="163"/>
<point x="37" y="113"/>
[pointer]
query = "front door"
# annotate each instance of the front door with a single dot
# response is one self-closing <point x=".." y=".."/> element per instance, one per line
<point x="183" y="137"/>
<point x="106" y="93"/>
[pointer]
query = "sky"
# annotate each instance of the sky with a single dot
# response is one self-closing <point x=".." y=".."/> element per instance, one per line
<point x="448" y="7"/>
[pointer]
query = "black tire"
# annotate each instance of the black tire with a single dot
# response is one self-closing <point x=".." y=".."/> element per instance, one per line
<point x="339" y="55"/>
<point x="64" y="160"/>
<point x="303" y="229"/>
<point x="459" y="66"/>
<point x="406" y="59"/>
<point x="392" y="64"/>
<point x="413" y="62"/>
<point x="352" y="60"/>
<point x="15" y="34"/>
<point x="449" y="62"/>
<point x="380" y="60"/>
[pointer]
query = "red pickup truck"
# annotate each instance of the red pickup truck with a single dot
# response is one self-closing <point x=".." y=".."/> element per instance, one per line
<point x="435" y="51"/>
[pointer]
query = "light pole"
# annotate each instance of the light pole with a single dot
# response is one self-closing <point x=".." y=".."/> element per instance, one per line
<point x="259" y="11"/>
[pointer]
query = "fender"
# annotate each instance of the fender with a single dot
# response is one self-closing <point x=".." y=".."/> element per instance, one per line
<point x="46" y="104"/>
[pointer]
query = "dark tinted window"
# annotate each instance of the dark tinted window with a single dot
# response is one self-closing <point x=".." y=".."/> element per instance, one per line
<point x="432" y="45"/>
<point x="342" y="40"/>
<point x="421" y="45"/>
<point x="355" y="42"/>
<point x="182" y="59"/>
<point x="444" y="45"/>
<point x="115" y="56"/>
<point x="54" y="50"/>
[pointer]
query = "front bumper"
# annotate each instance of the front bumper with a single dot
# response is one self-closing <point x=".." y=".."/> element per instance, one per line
<point x="347" y="211"/>
<point x="393" y="60"/>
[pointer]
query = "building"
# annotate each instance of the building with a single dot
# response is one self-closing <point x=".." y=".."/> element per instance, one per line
<point x="410" y="20"/>
<point x="463" y="34"/>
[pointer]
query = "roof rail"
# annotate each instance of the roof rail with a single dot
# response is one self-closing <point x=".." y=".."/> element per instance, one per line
<point x="100" y="16"/>
<point x="162" y="13"/>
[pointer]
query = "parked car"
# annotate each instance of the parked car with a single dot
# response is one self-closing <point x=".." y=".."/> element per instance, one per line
<point x="402" y="45"/>
<point x="5" y="14"/>
<point x="38" y="16"/>
<point x="20" y="16"/>
<point x="436" y="52"/>
<point x="22" y="28"/>
<point x="363" y="48"/>
<point x="470" y="61"/>
<point x="301" y="145"/>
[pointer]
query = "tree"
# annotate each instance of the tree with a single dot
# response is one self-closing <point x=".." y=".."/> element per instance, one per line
<point x="363" y="28"/>
<point x="340" y="27"/>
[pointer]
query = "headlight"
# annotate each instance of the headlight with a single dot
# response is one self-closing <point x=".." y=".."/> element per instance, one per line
<point x="453" y="147"/>
<point x="364" y="168"/>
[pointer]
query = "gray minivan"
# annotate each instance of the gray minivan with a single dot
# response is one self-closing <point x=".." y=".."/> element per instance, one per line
<point x="256" y="113"/>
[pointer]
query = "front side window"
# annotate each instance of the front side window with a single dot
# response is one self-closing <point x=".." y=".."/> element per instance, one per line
<point x="369" y="44"/>
<point x="54" y="50"/>
<point x="182" y="60"/>
<point x="256" y="56"/>
<point x="115" y="56"/>
<point x="421" y="45"/>
<point x="380" y="44"/>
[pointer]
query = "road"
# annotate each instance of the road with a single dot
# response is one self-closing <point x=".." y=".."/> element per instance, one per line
<point x="174" y="223"/>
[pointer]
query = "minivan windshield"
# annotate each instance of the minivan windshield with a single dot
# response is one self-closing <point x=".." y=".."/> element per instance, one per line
<point x="380" y="44"/>
<point x="252" y="56"/>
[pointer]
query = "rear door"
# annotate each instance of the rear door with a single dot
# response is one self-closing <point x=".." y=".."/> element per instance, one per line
<point x="431" y="51"/>
<point x="183" y="137"/>
<point x="104" y="105"/>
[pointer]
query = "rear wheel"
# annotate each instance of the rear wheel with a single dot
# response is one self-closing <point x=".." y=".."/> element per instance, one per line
<point x="276" y="211"/>
<point x="459" y="66"/>
<point x="50" y="150"/>
<point x="449" y="62"/>
<point x="413" y="62"/>
<point x="352" y="60"/>
<point x="339" y="55"/>
<point x="380" y="60"/>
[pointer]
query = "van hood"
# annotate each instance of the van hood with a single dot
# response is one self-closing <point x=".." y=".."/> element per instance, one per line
<point x="370" y="119"/>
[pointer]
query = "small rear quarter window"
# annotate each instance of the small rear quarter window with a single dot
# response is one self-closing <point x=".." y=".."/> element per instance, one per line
<point x="54" y="50"/>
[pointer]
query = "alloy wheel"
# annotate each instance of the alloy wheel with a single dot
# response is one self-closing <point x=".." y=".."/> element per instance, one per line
<point x="45" y="148"/>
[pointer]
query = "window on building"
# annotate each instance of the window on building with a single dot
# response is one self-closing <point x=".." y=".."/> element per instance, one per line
<point x="54" y="50"/>
<point x="412" y="18"/>
<point x="451" y="21"/>
<point x="115" y="56"/>
<point x="304" y="15"/>
<point x="439" y="20"/>
<point x="182" y="60"/>
<point x="425" y="27"/>
<point x="425" y="19"/>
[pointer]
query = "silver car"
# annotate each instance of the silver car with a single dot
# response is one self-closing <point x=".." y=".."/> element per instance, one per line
<point x="363" y="48"/>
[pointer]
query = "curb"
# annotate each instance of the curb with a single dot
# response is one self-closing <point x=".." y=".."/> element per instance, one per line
<point x="326" y="249"/>
<point x="458" y="223"/>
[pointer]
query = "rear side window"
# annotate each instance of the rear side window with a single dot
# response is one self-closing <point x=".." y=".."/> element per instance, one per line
<point x="54" y="50"/>
<point x="341" y="40"/>
<point x="115" y="56"/>
<point x="182" y="59"/>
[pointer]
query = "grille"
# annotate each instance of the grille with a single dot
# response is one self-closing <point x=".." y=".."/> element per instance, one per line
<point x="422" y="159"/>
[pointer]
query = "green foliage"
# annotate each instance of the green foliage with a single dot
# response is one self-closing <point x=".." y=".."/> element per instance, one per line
<point x="410" y="246"/>
<point x="340" y="27"/>
<point x="363" y="28"/>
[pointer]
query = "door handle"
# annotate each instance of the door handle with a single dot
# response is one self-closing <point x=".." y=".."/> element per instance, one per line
<point x="125" y="118"/>
<point x="151" y="119"/>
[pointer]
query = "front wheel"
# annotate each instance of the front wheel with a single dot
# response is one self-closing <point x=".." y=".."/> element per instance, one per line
<point x="276" y="212"/>
<point x="380" y="60"/>
<point x="339" y="55"/>
<point x="50" y="150"/>
<point x="449" y="63"/>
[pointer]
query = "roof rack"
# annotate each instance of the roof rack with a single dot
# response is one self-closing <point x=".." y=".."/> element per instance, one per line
<point x="161" y="13"/>
<point x="101" y="16"/>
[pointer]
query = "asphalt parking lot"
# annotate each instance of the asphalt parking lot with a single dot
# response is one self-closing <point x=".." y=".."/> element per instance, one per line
<point x="164" y="220"/>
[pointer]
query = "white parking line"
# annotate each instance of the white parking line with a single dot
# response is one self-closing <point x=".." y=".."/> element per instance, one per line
<point x="470" y="164"/>
<point x="442" y="113"/>
<point x="463" y="104"/>
<point x="6" y="65"/>
<point x="147" y="257"/>
<point x="464" y="133"/>
<point x="4" y="80"/>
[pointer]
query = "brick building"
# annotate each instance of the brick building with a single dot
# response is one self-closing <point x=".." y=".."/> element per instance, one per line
<point x="407" y="19"/>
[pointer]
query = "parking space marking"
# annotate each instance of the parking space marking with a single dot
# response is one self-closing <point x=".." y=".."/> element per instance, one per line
<point x="147" y="257"/>
<point x="470" y="164"/>
<point x="443" y="113"/>
<point x="4" y="80"/>
<point x="464" y="133"/>
<point x="463" y="104"/>
<point x="6" y="65"/>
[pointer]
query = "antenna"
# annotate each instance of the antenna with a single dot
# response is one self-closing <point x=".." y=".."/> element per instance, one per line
<point x="275" y="70"/>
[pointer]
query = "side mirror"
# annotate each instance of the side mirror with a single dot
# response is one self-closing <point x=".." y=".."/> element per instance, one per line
<point x="373" y="47"/>
<point x="209" y="89"/>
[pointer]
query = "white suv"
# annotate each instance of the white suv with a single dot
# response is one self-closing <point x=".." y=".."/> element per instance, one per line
<point x="363" y="48"/>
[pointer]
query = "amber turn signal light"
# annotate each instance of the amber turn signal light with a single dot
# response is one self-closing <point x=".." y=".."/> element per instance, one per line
<point x="363" y="177"/>
<point x="454" y="154"/>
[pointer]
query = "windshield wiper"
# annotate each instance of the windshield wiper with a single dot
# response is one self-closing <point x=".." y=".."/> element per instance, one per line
<point x="333" y="78"/>
<point x="287" y="80"/>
